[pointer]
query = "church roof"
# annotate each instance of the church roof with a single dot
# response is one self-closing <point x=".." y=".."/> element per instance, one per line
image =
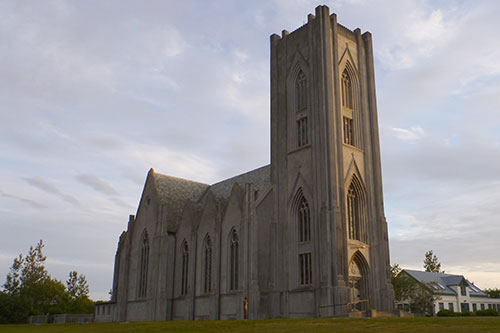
<point x="174" y="192"/>
<point x="260" y="178"/>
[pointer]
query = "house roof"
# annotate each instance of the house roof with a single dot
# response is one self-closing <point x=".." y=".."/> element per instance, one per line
<point x="441" y="282"/>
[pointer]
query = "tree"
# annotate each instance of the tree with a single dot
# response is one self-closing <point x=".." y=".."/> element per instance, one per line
<point x="13" y="282"/>
<point x="431" y="263"/>
<point x="30" y="290"/>
<point x="407" y="289"/>
<point x="492" y="292"/>
<point x="77" y="285"/>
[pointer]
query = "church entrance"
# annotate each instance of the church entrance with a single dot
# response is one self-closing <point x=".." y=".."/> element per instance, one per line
<point x="358" y="285"/>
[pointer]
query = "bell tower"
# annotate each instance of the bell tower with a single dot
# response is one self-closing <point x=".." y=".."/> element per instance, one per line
<point x="332" y="252"/>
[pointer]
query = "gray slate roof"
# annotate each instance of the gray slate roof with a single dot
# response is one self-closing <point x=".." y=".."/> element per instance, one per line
<point x="260" y="178"/>
<point x="174" y="192"/>
<point x="442" y="282"/>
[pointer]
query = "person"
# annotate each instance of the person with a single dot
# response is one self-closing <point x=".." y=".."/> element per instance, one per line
<point x="245" y="307"/>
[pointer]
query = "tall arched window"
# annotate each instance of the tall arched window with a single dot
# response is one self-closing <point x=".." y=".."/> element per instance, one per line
<point x="302" y="215"/>
<point x="355" y="210"/>
<point x="234" y="262"/>
<point x="301" y="91"/>
<point x="207" y="265"/>
<point x="353" y="213"/>
<point x="144" y="265"/>
<point x="185" y="268"/>
<point x="346" y="90"/>
<point x="301" y="101"/>
<point x="347" y="106"/>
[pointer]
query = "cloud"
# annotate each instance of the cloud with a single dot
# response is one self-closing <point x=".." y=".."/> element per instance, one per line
<point x="96" y="183"/>
<point x="413" y="134"/>
<point x="49" y="188"/>
<point x="30" y="202"/>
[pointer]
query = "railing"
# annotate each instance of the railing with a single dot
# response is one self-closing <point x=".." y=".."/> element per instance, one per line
<point x="361" y="306"/>
<point x="358" y="306"/>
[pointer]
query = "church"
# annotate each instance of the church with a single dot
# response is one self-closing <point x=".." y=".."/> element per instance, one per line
<point x="305" y="236"/>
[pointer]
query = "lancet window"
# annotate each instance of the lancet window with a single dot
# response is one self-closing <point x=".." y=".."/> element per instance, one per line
<point x="304" y="248"/>
<point x="301" y="91"/>
<point x="355" y="209"/>
<point x="304" y="217"/>
<point x="207" y="265"/>
<point x="346" y="90"/>
<point x="234" y="260"/>
<point x="144" y="265"/>
<point x="185" y="268"/>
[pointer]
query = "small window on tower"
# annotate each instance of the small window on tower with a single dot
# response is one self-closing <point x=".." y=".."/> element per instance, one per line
<point x="301" y="91"/>
<point x="302" y="132"/>
<point x="348" y="129"/>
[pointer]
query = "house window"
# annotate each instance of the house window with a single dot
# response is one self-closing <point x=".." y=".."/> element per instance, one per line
<point x="302" y="132"/>
<point x="304" y="221"/>
<point x="305" y="268"/>
<point x="301" y="91"/>
<point x="482" y="306"/>
<point x="234" y="264"/>
<point x="474" y="307"/>
<point x="144" y="265"/>
<point x="208" y="265"/>
<point x="348" y="129"/>
<point x="463" y="290"/>
<point x="441" y="306"/>
<point x="185" y="268"/>
<point x="353" y="213"/>
<point x="346" y="90"/>
<point x="450" y="307"/>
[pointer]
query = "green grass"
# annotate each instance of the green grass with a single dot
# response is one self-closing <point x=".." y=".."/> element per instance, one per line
<point x="464" y="324"/>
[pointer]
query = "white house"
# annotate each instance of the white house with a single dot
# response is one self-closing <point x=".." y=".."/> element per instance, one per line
<point x="454" y="292"/>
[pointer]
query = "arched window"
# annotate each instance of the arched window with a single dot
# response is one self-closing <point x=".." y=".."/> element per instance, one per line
<point x="207" y="265"/>
<point x="185" y="268"/>
<point x="346" y="90"/>
<point x="302" y="215"/>
<point x="353" y="213"/>
<point x="355" y="210"/>
<point x="301" y="101"/>
<point x="301" y="91"/>
<point x="234" y="262"/>
<point x="144" y="265"/>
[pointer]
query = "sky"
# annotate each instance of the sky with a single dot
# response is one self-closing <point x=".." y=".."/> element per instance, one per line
<point x="95" y="93"/>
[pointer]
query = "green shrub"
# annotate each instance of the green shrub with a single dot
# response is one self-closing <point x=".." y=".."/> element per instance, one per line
<point x="465" y="314"/>
<point x="487" y="312"/>
<point x="446" y="313"/>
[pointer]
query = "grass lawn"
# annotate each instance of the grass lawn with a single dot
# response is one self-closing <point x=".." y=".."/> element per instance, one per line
<point x="461" y="324"/>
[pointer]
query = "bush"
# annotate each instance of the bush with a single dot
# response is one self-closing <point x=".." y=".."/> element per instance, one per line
<point x="465" y="314"/>
<point x="446" y="313"/>
<point x="487" y="312"/>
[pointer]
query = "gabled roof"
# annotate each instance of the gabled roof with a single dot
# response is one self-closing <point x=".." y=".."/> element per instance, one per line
<point x="440" y="283"/>
<point x="174" y="192"/>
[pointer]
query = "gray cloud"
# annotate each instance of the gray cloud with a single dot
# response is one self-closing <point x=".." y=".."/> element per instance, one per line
<point x="49" y="188"/>
<point x="29" y="202"/>
<point x="97" y="184"/>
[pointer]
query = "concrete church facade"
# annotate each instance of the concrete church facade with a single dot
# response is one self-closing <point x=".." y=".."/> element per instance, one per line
<point x="305" y="236"/>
